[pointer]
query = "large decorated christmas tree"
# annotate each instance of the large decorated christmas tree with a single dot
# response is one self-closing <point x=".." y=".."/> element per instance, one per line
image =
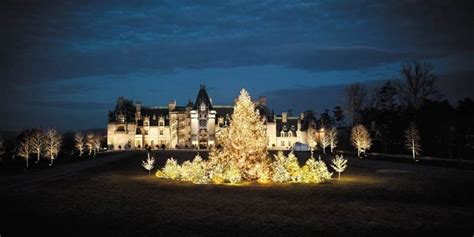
<point x="244" y="142"/>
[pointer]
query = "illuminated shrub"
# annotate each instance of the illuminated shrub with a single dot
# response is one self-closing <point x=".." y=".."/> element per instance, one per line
<point x="315" y="172"/>
<point x="194" y="171"/>
<point x="293" y="168"/>
<point x="280" y="173"/>
<point x="232" y="173"/>
<point x="171" y="170"/>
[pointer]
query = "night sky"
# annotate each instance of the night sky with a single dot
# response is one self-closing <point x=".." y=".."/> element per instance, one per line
<point x="64" y="63"/>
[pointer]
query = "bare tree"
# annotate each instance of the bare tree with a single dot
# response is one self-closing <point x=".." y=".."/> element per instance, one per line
<point x="37" y="143"/>
<point x="90" y="142"/>
<point x="52" y="144"/>
<point x="312" y="139"/>
<point x="418" y="83"/>
<point x="339" y="164"/>
<point x="96" y="141"/>
<point x="332" y="136"/>
<point x="356" y="97"/>
<point x="25" y="149"/>
<point x="412" y="140"/>
<point x="323" y="140"/>
<point x="79" y="142"/>
<point x="360" y="138"/>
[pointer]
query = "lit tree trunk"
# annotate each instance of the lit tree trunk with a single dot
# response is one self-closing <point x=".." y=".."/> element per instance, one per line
<point x="52" y="160"/>
<point x="27" y="158"/>
<point x="413" y="149"/>
<point x="338" y="175"/>
<point x="38" y="152"/>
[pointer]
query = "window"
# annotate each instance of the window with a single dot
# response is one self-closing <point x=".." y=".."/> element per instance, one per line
<point x="282" y="143"/>
<point x="161" y="132"/>
<point x="161" y="123"/>
<point x="145" y="123"/>
<point x="121" y="118"/>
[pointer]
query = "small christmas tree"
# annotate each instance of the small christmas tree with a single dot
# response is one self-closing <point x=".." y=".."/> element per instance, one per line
<point x="339" y="164"/>
<point x="171" y="170"/>
<point x="280" y="174"/>
<point x="293" y="167"/>
<point x="149" y="164"/>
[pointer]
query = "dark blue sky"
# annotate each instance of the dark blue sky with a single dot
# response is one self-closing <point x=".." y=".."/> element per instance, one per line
<point x="64" y="63"/>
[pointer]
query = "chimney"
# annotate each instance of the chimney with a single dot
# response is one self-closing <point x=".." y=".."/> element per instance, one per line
<point x="138" y="110"/>
<point x="284" y="117"/>
<point x="172" y="105"/>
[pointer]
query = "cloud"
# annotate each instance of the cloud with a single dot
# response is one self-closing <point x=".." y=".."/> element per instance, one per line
<point x="62" y="40"/>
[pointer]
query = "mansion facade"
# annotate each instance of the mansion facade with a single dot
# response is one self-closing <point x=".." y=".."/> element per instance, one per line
<point x="195" y="125"/>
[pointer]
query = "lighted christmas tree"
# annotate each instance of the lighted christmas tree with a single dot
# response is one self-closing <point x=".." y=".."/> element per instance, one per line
<point x="245" y="142"/>
<point x="339" y="164"/>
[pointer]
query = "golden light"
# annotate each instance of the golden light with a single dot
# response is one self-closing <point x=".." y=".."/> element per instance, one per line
<point x="243" y="157"/>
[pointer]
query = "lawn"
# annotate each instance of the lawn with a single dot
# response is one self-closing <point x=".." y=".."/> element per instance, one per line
<point x="372" y="198"/>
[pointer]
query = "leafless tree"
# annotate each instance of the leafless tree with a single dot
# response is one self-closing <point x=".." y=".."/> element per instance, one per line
<point x="25" y="149"/>
<point x="52" y="144"/>
<point x="37" y="143"/>
<point x="79" y="142"/>
<point x="96" y="141"/>
<point x="356" y="97"/>
<point x="312" y="139"/>
<point x="90" y="142"/>
<point x="360" y="138"/>
<point x="332" y="136"/>
<point x="417" y="84"/>
<point x="323" y="140"/>
<point x="412" y="140"/>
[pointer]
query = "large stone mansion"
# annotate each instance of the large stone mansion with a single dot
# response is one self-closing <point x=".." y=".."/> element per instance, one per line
<point x="133" y="126"/>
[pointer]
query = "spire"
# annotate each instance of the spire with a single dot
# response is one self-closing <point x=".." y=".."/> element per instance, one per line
<point x="202" y="97"/>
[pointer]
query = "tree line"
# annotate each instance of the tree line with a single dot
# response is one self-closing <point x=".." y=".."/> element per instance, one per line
<point x="48" y="144"/>
<point x="404" y="115"/>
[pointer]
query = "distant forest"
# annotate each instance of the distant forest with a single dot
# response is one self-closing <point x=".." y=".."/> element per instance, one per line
<point x="446" y="130"/>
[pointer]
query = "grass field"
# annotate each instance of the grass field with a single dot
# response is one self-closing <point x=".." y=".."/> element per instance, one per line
<point x="372" y="198"/>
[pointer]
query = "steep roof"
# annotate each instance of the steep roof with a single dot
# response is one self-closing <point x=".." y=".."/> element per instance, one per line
<point x="308" y="119"/>
<point x="202" y="97"/>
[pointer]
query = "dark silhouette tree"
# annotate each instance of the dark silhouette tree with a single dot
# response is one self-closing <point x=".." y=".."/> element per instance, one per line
<point x="356" y="97"/>
<point x="417" y="84"/>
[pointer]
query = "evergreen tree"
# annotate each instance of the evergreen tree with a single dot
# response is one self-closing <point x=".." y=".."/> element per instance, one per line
<point x="245" y="141"/>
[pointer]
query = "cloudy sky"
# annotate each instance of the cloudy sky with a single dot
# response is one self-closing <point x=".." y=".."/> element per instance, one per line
<point x="64" y="63"/>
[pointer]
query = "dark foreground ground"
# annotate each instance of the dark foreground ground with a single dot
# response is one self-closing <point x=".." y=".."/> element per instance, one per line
<point x="372" y="198"/>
